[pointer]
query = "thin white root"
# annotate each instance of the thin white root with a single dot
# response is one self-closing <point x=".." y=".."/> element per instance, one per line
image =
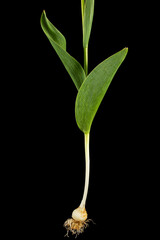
<point x="75" y="227"/>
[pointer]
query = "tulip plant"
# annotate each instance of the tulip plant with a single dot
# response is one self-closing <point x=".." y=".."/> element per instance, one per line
<point x="91" y="89"/>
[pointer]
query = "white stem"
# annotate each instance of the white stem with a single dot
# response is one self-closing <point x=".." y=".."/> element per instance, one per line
<point x="87" y="165"/>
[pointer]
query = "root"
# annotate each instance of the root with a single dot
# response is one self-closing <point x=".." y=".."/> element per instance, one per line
<point x="75" y="227"/>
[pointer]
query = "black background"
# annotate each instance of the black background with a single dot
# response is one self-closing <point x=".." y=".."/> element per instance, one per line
<point x="48" y="176"/>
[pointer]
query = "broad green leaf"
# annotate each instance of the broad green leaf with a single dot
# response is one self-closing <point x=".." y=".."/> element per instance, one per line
<point x="94" y="88"/>
<point x="58" y="42"/>
<point x="87" y="19"/>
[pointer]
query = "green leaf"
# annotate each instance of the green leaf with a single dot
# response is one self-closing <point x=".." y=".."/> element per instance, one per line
<point x="94" y="88"/>
<point x="58" y="42"/>
<point x="87" y="19"/>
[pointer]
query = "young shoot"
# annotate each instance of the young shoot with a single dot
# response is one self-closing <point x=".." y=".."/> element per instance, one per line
<point x="91" y="91"/>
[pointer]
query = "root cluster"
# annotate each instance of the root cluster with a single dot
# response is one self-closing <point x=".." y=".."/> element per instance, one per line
<point x="75" y="227"/>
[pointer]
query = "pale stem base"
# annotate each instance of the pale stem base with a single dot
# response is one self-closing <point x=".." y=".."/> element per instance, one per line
<point x="87" y="170"/>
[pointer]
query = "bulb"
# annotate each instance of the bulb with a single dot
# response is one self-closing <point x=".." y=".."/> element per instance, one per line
<point x="78" y="222"/>
<point x="79" y="214"/>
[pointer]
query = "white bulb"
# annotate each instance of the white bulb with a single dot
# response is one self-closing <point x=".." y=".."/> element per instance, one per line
<point x="79" y="214"/>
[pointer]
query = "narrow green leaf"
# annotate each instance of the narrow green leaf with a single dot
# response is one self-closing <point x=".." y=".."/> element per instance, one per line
<point x="58" y="42"/>
<point x="94" y="88"/>
<point x="82" y="9"/>
<point x="87" y="19"/>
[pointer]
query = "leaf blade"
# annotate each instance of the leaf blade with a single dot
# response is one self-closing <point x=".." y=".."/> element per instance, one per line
<point x="94" y="88"/>
<point x="87" y="19"/>
<point x="58" y="42"/>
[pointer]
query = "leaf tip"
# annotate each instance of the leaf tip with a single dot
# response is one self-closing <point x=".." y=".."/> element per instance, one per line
<point x="126" y="49"/>
<point x="43" y="14"/>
